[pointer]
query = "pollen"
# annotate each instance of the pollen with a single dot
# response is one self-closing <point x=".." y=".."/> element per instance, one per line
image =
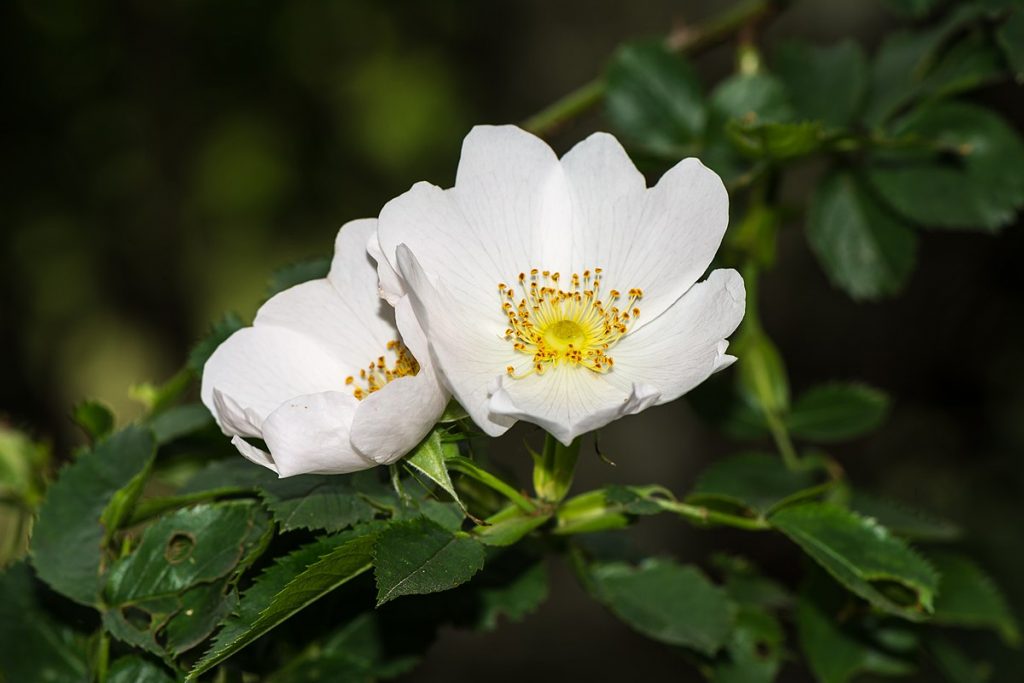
<point x="575" y="326"/>
<point x="397" y="362"/>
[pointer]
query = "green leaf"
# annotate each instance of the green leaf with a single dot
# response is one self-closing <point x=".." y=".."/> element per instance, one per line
<point x="754" y="482"/>
<point x="230" y="472"/>
<point x="747" y="588"/>
<point x="33" y="645"/>
<point x="910" y="65"/>
<point x="68" y="535"/>
<point x="515" y="599"/>
<point x="217" y="335"/>
<point x="825" y="84"/>
<point x="187" y="547"/>
<point x="180" y="421"/>
<point x="863" y="248"/>
<point x="751" y="98"/>
<point x="313" y="501"/>
<point x="653" y="97"/>
<point x="969" y="597"/>
<point x="95" y="419"/>
<point x="754" y="651"/>
<point x="778" y="141"/>
<point x="903" y="520"/>
<point x="202" y="609"/>
<point x="666" y="601"/>
<point x="419" y="556"/>
<point x="429" y="458"/>
<point x="1010" y="37"/>
<point x="980" y="189"/>
<point x="836" y="412"/>
<point x="288" y="586"/>
<point x="135" y="669"/>
<point x="863" y="556"/>
<point x="297" y="273"/>
<point x="837" y="648"/>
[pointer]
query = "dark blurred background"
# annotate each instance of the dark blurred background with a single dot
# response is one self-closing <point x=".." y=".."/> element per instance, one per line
<point x="161" y="160"/>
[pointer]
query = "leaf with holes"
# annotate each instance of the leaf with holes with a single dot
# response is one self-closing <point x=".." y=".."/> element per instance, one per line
<point x="754" y="651"/>
<point x="419" y="556"/>
<point x="863" y="556"/>
<point x="83" y="507"/>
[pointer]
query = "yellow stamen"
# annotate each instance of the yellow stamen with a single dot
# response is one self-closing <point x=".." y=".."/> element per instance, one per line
<point x="376" y="374"/>
<point x="572" y="326"/>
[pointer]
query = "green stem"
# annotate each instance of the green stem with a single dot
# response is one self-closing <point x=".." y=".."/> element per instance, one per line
<point x="685" y="41"/>
<point x="469" y="468"/>
<point x="554" y="469"/>
<point x="782" y="440"/>
<point x="153" y="507"/>
<point x="707" y="516"/>
<point x="102" y="657"/>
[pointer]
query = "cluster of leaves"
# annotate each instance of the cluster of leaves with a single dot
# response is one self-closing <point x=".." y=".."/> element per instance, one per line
<point x="904" y="151"/>
<point x="158" y="554"/>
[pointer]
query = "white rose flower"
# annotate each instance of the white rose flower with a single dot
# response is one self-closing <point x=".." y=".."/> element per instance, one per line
<point x="562" y="292"/>
<point x="323" y="376"/>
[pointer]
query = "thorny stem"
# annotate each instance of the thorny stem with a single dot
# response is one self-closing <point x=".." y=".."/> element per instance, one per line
<point x="685" y="40"/>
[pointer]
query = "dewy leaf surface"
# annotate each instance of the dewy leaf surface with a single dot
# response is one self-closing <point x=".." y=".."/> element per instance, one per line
<point x="863" y="556"/>
<point x="68" y="535"/>
<point x="419" y="556"/>
<point x="666" y="601"/>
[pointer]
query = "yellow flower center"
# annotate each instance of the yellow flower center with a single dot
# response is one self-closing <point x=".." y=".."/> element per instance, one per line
<point x="374" y="376"/>
<point x="573" y="326"/>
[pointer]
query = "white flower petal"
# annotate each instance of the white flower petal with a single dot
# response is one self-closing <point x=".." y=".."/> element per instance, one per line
<point x="468" y="359"/>
<point x="233" y="418"/>
<point x="390" y="422"/>
<point x="311" y="435"/>
<point x="389" y="282"/>
<point x="568" y="401"/>
<point x="508" y="212"/>
<point x="260" y="368"/>
<point x="686" y="344"/>
<point x="253" y="454"/>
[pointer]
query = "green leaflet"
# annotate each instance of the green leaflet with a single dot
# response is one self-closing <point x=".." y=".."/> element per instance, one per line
<point x="836" y="412"/>
<point x="429" y="458"/>
<point x="666" y="601"/>
<point x="824" y="83"/>
<point x="653" y="97"/>
<point x="95" y="419"/>
<point x="836" y="647"/>
<point x="972" y="188"/>
<point x="863" y="248"/>
<point x="863" y="556"/>
<point x="34" y="646"/>
<point x="287" y="586"/>
<point x="756" y="483"/>
<point x="83" y="507"/>
<point x="419" y="556"/>
<point x="902" y="519"/>
<point x="313" y="501"/>
<point x="969" y="597"/>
